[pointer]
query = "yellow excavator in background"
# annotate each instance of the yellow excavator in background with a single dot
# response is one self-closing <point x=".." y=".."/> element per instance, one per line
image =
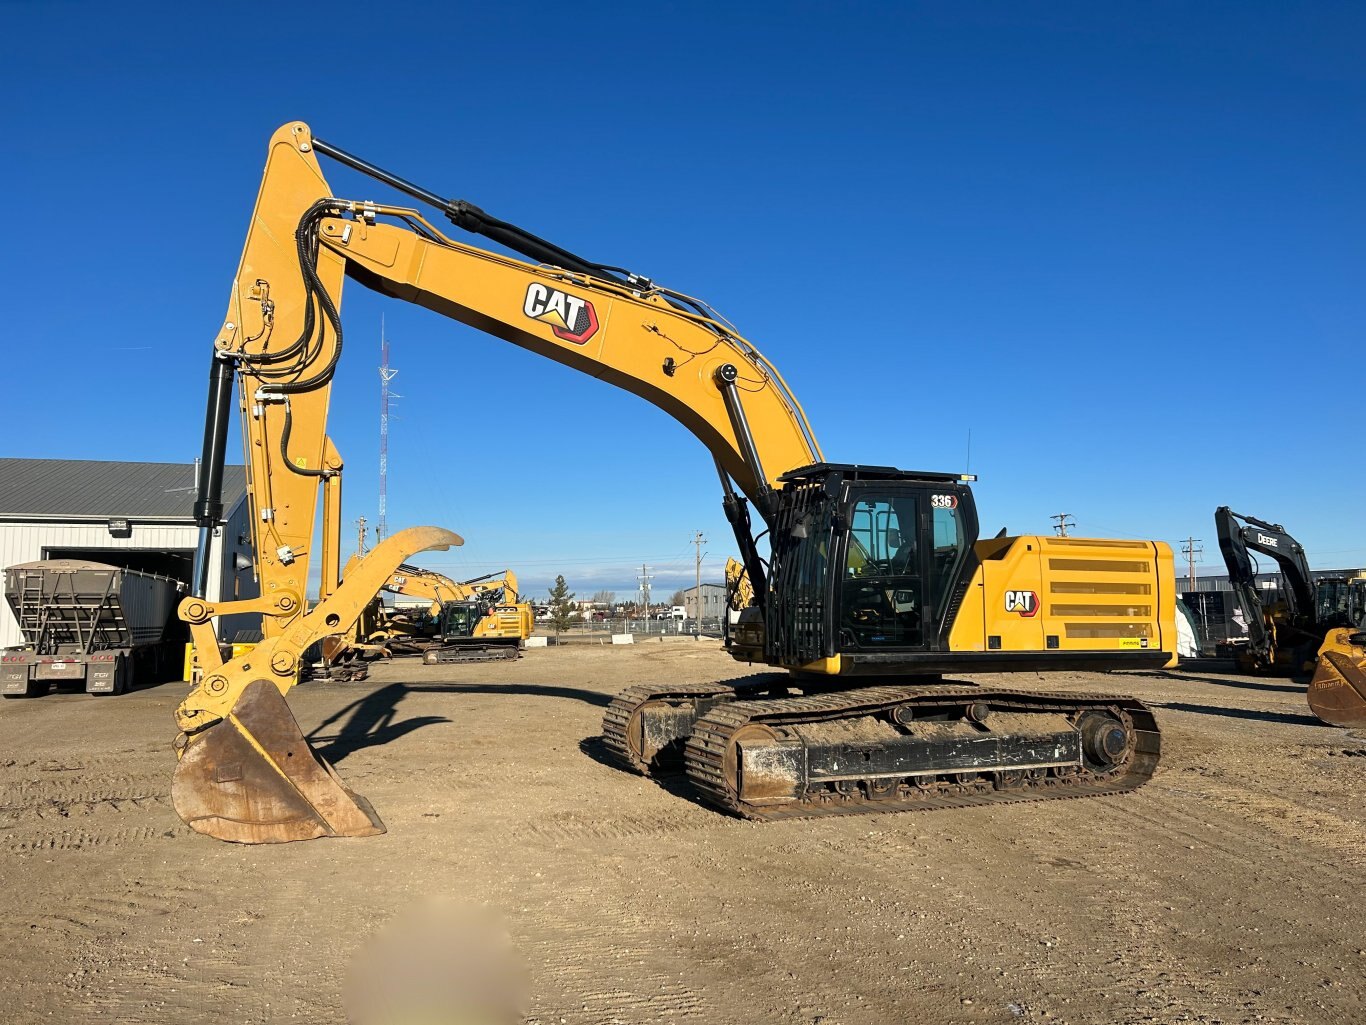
<point x="477" y="620"/>
<point x="486" y="621"/>
<point x="869" y="582"/>
<point x="483" y="612"/>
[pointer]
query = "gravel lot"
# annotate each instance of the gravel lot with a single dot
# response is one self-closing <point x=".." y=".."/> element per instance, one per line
<point x="1229" y="889"/>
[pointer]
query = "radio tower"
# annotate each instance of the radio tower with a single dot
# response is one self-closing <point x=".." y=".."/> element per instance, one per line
<point x="386" y="374"/>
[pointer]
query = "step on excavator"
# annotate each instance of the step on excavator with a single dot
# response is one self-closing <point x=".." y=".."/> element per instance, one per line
<point x="868" y="583"/>
<point x="1315" y="627"/>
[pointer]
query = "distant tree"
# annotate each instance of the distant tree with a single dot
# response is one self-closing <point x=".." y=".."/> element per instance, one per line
<point x="605" y="598"/>
<point x="562" y="611"/>
<point x="678" y="598"/>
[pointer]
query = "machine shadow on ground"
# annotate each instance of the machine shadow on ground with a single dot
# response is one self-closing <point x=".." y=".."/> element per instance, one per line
<point x="674" y="783"/>
<point x="371" y="720"/>
<point x="368" y="721"/>
<point x="1291" y="718"/>
<point x="1238" y="682"/>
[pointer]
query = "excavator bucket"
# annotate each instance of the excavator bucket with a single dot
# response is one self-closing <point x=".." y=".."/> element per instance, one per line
<point x="250" y="776"/>
<point x="253" y="778"/>
<point x="1337" y="693"/>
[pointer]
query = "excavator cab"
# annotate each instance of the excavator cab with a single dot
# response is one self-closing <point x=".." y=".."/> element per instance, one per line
<point x="459" y="618"/>
<point x="867" y="564"/>
<point x="1340" y="601"/>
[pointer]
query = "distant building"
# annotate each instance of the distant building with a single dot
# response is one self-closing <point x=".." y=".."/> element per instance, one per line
<point x="1270" y="581"/>
<point x="713" y="601"/>
<point x="138" y="515"/>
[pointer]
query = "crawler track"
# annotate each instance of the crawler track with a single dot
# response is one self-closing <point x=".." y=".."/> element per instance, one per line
<point x="626" y="742"/>
<point x="471" y="653"/>
<point x="709" y="754"/>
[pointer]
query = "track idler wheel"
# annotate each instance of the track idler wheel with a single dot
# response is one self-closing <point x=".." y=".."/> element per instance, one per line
<point x="1105" y="740"/>
<point x="253" y="778"/>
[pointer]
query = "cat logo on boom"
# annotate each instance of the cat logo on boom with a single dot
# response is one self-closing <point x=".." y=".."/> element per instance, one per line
<point x="569" y="317"/>
<point x="1026" y="603"/>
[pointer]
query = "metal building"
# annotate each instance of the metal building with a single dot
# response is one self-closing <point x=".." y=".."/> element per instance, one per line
<point x="137" y="515"/>
<point x="713" y="601"/>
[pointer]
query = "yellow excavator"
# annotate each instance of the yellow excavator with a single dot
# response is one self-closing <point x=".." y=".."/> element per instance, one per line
<point x="481" y="619"/>
<point x="478" y="620"/>
<point x="486" y="622"/>
<point x="869" y="582"/>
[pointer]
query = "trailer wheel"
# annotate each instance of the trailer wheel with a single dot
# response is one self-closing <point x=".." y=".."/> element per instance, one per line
<point x="123" y="675"/>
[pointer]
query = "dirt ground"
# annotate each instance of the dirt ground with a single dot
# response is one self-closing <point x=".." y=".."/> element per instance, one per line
<point x="1229" y="889"/>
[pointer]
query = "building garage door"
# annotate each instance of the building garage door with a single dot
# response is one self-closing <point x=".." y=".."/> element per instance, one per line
<point x="178" y="564"/>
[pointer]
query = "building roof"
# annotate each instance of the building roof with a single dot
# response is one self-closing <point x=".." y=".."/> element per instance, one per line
<point x="88" y="489"/>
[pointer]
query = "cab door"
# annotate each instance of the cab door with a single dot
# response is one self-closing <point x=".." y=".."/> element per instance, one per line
<point x="882" y="584"/>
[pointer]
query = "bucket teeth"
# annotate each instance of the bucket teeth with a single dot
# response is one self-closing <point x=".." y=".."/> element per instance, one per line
<point x="253" y="778"/>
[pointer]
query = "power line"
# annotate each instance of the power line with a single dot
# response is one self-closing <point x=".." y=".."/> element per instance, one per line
<point x="645" y="577"/>
<point x="1191" y="552"/>
<point x="699" y="541"/>
<point x="606" y="561"/>
<point x="1060" y="528"/>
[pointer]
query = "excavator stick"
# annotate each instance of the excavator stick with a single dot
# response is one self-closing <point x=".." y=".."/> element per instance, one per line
<point x="253" y="778"/>
<point x="246" y="772"/>
<point x="1337" y="693"/>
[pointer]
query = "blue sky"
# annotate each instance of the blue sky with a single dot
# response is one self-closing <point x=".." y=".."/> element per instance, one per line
<point x="1120" y="243"/>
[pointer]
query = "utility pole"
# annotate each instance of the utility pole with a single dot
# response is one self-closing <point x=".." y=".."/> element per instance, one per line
<point x="1191" y="552"/>
<point x="699" y="541"/>
<point x="645" y="576"/>
<point x="360" y="540"/>
<point x="386" y="374"/>
<point x="1060" y="528"/>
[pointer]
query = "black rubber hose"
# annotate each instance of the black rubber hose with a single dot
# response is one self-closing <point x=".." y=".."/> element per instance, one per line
<point x="302" y="471"/>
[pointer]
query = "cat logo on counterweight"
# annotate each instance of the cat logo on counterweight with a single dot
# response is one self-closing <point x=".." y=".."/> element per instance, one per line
<point x="1026" y="603"/>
